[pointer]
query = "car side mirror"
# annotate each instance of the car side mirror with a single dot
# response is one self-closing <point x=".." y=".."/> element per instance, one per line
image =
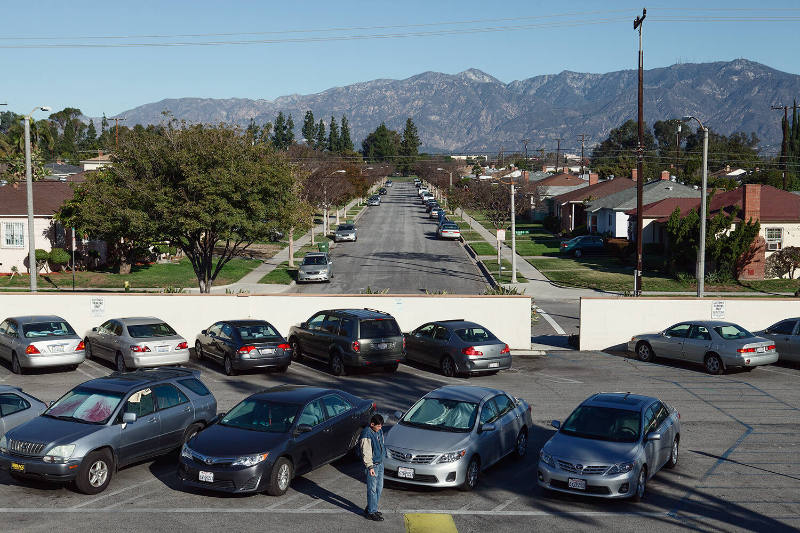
<point x="398" y="415"/>
<point x="94" y="329"/>
<point x="487" y="427"/>
<point x="654" y="436"/>
<point x="302" y="428"/>
<point x="556" y="424"/>
<point x="204" y="332"/>
<point x="304" y="325"/>
<point x="128" y="418"/>
<point x="218" y="417"/>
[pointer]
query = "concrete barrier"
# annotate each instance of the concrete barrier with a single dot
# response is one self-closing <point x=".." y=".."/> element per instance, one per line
<point x="508" y="317"/>
<point x="611" y="322"/>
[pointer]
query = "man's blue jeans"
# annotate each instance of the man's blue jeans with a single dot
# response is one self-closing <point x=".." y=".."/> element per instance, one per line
<point x="374" y="488"/>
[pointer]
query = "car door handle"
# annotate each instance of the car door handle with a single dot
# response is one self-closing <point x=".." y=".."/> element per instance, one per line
<point x="326" y="430"/>
<point x="153" y="420"/>
<point x="187" y="409"/>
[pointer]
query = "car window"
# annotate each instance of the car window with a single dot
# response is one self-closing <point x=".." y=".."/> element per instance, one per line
<point x="650" y="419"/>
<point x="476" y="334"/>
<point x="226" y="331"/>
<point x="331" y="324"/>
<point x="260" y="332"/>
<point x="316" y="321"/>
<point x="51" y="328"/>
<point x="12" y="403"/>
<point x="336" y="405"/>
<point x="312" y="414"/>
<point x="488" y="413"/>
<point x="141" y="403"/>
<point x="84" y="404"/>
<point x="426" y="331"/>
<point x="117" y="328"/>
<point x="503" y="404"/>
<point x="661" y="414"/>
<point x="3" y="327"/>
<point x="157" y="329"/>
<point x="12" y="329"/>
<point x="105" y="327"/>
<point x="699" y="332"/>
<point x="732" y="331"/>
<point x="441" y="333"/>
<point x="345" y="227"/>
<point x="214" y="330"/>
<point x="315" y="260"/>
<point x="783" y="328"/>
<point x="168" y="396"/>
<point x="347" y="327"/>
<point x="680" y="331"/>
<point x="603" y="423"/>
<point x="195" y="385"/>
<point x="256" y="414"/>
<point x="379" y="327"/>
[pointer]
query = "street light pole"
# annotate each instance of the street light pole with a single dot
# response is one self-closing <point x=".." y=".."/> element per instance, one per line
<point x="637" y="287"/>
<point x="701" y="252"/>
<point x="34" y="272"/>
<point x="513" y="236"/>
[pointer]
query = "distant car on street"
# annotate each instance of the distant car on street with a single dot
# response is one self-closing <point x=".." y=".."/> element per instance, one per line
<point x="426" y="197"/>
<point x="136" y="342"/>
<point x="382" y="191"/>
<point x="584" y="244"/>
<point x="316" y="266"/>
<point x="39" y="341"/>
<point x="430" y="205"/>
<point x="449" y="230"/>
<point x="374" y="200"/>
<point x="786" y="337"/>
<point x="422" y="191"/>
<point x="716" y="345"/>
<point x="345" y="232"/>
<point x="17" y="407"/>
<point x="244" y="345"/>
<point x="389" y="183"/>
<point x="434" y="212"/>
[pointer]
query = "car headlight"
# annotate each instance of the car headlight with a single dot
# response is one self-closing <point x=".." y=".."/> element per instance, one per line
<point x="59" y="454"/>
<point x="3" y="444"/>
<point x="451" y="457"/>
<point x="547" y="459"/>
<point x="620" y="468"/>
<point x="250" y="460"/>
<point x="186" y="452"/>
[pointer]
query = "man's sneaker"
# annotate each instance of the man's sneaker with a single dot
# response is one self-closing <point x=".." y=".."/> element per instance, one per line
<point x="374" y="517"/>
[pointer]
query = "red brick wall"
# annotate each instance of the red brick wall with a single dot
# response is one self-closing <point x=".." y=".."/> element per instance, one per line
<point x="754" y="261"/>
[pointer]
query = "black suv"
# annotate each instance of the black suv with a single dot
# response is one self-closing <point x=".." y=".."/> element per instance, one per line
<point x="350" y="338"/>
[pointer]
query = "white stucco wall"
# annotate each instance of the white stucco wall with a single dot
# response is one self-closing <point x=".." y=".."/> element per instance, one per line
<point x="17" y="256"/>
<point x="508" y="317"/>
<point x="609" y="322"/>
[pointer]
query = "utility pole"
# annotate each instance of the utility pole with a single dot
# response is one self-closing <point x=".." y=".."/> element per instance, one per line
<point x="116" y="130"/>
<point x="677" y="148"/>
<point x="525" y="144"/>
<point x="583" y="143"/>
<point x="558" y="152"/>
<point x="784" y="144"/>
<point x="637" y="286"/>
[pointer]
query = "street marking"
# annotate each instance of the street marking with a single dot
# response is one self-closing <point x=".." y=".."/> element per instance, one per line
<point x="550" y="321"/>
<point x="793" y="374"/>
<point x="559" y="379"/>
<point x="114" y="493"/>
<point x="429" y="523"/>
<point x="309" y="505"/>
<point x="284" y="500"/>
<point x="504" y="505"/>
<point x="85" y="373"/>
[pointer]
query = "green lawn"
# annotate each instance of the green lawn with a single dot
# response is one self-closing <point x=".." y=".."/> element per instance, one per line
<point x="469" y="235"/>
<point x="527" y="246"/>
<point x="282" y="275"/>
<point x="505" y="276"/>
<point x="483" y="248"/>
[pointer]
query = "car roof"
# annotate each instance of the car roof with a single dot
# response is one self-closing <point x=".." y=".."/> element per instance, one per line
<point x="27" y="319"/>
<point x="457" y="323"/>
<point x="361" y="313"/>
<point x="126" y="381"/>
<point x="9" y="388"/>
<point x="315" y="254"/>
<point x="620" y="400"/>
<point x="709" y="322"/>
<point x="137" y="320"/>
<point x="245" y="322"/>
<point x="293" y="393"/>
<point x="464" y="393"/>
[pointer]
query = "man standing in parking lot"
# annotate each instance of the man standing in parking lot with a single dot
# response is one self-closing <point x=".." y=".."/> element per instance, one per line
<point x="373" y="452"/>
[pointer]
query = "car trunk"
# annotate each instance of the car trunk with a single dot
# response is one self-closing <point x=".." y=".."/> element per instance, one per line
<point x="56" y="345"/>
<point x="161" y="344"/>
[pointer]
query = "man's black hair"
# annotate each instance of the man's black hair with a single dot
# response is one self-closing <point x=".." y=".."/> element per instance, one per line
<point x="376" y="420"/>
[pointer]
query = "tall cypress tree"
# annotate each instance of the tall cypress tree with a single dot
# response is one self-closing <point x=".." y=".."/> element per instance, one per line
<point x="346" y="143"/>
<point x="409" y="147"/>
<point x="279" y="139"/>
<point x="333" y="136"/>
<point x="321" y="139"/>
<point x="309" y="128"/>
<point x="289" y="131"/>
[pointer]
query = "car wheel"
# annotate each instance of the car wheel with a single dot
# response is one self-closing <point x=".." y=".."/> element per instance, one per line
<point x="713" y="364"/>
<point x="15" y="366"/>
<point x="391" y="368"/>
<point x="521" y="446"/>
<point x="336" y="365"/>
<point x="228" y="366"/>
<point x="448" y="366"/>
<point x="280" y="477"/>
<point x="297" y="353"/>
<point x="641" y="485"/>
<point x="578" y="253"/>
<point x="472" y="475"/>
<point x="119" y="363"/>
<point x="281" y="369"/>
<point x="190" y="432"/>
<point x="72" y="368"/>
<point x="673" y="456"/>
<point x="645" y="352"/>
<point x="87" y="349"/>
<point x="95" y="472"/>
<point x="198" y="350"/>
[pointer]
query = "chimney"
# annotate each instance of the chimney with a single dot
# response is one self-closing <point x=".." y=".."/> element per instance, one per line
<point x="665" y="175"/>
<point x="634" y="173"/>
<point x="727" y="168"/>
<point x="751" y="202"/>
<point x="593" y="178"/>
<point x="526" y="175"/>
<point x="544" y="168"/>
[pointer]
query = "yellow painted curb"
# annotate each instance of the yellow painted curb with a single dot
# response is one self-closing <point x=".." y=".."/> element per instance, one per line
<point x="429" y="523"/>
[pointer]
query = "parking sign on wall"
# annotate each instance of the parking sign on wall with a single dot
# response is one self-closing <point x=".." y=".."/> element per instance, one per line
<point x="97" y="306"/>
<point x="718" y="310"/>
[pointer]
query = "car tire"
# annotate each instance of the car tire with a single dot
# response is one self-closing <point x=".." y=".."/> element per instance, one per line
<point x="641" y="485"/>
<point x="644" y="352"/>
<point x="227" y="366"/>
<point x="190" y="432"/>
<point x="280" y="477"/>
<point x="87" y="349"/>
<point x="198" y="350"/>
<point x="472" y="475"/>
<point x="391" y="369"/>
<point x="281" y="369"/>
<point x="119" y="363"/>
<point x="578" y="253"/>
<point x="72" y="368"/>
<point x="448" y="367"/>
<point x="94" y="473"/>
<point x="15" y="366"/>
<point x="713" y="364"/>
<point x="297" y="353"/>
<point x="672" y="462"/>
<point x="336" y="365"/>
<point x="521" y="444"/>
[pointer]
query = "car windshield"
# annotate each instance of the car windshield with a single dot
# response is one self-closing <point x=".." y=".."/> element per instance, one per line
<point x="442" y="414"/>
<point x="315" y="260"/>
<point x="732" y="331"/>
<point x="157" y="329"/>
<point x="55" y="328"/>
<point x="346" y="227"/>
<point x="476" y="334"/>
<point x="379" y="327"/>
<point x="261" y="415"/>
<point x="449" y="226"/>
<point x="258" y="333"/>
<point x="603" y="423"/>
<point x="86" y="405"/>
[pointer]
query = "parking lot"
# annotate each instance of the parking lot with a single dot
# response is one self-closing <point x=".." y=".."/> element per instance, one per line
<point x="737" y="469"/>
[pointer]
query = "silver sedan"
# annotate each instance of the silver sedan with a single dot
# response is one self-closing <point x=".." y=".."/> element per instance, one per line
<point x="716" y="345"/>
<point x="453" y="433"/>
<point x="38" y="342"/>
<point x="345" y="232"/>
<point x="137" y="343"/>
<point x="786" y="337"/>
<point x="17" y="407"/>
<point x="316" y="266"/>
<point x="610" y="446"/>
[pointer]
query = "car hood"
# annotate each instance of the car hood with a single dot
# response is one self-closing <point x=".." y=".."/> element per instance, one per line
<point x="427" y="440"/>
<point x="313" y="267"/>
<point x="52" y="431"/>
<point x="577" y="449"/>
<point x="225" y="441"/>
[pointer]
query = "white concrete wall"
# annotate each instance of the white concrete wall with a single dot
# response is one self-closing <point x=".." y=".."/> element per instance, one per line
<point x="17" y="256"/>
<point x="508" y="317"/>
<point x="608" y="322"/>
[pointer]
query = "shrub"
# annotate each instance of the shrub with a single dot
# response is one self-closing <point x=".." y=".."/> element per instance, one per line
<point x="618" y="248"/>
<point x="653" y="248"/>
<point x="59" y="257"/>
<point x="552" y="224"/>
<point x="579" y="230"/>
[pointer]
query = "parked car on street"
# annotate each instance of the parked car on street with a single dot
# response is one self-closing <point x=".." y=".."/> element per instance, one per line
<point x="136" y="342"/>
<point x="584" y="244"/>
<point x="430" y="205"/>
<point x="717" y="345"/>
<point x="39" y="341"/>
<point x="349" y="338"/>
<point x="107" y="423"/>
<point x="457" y="347"/>
<point x="417" y="182"/>
<point x="786" y="337"/>
<point x="244" y="345"/>
<point x="382" y="191"/>
<point x="316" y="266"/>
<point x="421" y="191"/>
<point x="272" y="436"/>
<point x="345" y="232"/>
<point x="453" y="433"/>
<point x="434" y="212"/>
<point x="610" y="446"/>
<point x="426" y="197"/>
<point x="449" y="230"/>
<point x="389" y="183"/>
<point x="374" y="200"/>
<point x="17" y="407"/>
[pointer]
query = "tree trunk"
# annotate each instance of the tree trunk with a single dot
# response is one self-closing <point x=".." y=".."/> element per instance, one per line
<point x="291" y="246"/>
<point x="124" y="267"/>
<point x="312" y="231"/>
<point x="324" y="222"/>
<point x="337" y="216"/>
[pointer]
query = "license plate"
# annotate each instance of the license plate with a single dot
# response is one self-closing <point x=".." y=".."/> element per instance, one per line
<point x="17" y="467"/>
<point x="206" y="476"/>
<point x="760" y="349"/>
<point x="383" y="345"/>
<point x="405" y="473"/>
<point x="578" y="484"/>
<point x="266" y="351"/>
<point x="58" y="348"/>
<point x="162" y="348"/>
<point x="494" y="365"/>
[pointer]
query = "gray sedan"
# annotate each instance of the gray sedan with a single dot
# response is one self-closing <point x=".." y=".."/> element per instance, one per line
<point x="316" y="266"/>
<point x="137" y="343"/>
<point x="786" y="337"/>
<point x="345" y="232"/>
<point x="39" y="341"/>
<point x="17" y="407"/>
<point x="457" y="347"/>
<point x="453" y="433"/>
<point x="716" y="345"/>
<point x="610" y="446"/>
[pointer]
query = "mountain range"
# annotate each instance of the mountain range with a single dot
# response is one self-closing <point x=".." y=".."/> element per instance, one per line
<point x="474" y="112"/>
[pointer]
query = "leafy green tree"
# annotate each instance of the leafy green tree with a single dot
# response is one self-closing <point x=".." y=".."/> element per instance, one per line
<point x="409" y="147"/>
<point x="289" y="131"/>
<point x="346" y="141"/>
<point x="616" y="155"/>
<point x="333" y="136"/>
<point x="253" y="131"/>
<point x="382" y="144"/>
<point x="321" y="139"/>
<point x="280" y="137"/>
<point x="309" y="128"/>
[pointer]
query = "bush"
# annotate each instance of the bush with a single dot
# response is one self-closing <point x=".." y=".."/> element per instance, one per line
<point x="618" y="248"/>
<point x="552" y="224"/>
<point x="166" y="249"/>
<point x="580" y="230"/>
<point x="59" y="257"/>
<point x="653" y="248"/>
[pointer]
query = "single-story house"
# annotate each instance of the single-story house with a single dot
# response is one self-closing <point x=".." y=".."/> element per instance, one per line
<point x="95" y="163"/>
<point x="570" y="207"/>
<point x="541" y="204"/>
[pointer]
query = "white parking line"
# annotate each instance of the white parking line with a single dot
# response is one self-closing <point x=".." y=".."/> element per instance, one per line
<point x="309" y="505"/>
<point x="428" y="375"/>
<point x="765" y="369"/>
<point x="85" y="373"/>
<point x="559" y="379"/>
<point x="114" y="493"/>
<point x="550" y="321"/>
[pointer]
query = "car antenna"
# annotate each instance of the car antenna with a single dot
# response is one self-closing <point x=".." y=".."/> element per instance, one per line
<point x="626" y="396"/>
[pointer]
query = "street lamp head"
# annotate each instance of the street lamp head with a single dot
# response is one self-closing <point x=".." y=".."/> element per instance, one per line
<point x="687" y="118"/>
<point x="45" y="108"/>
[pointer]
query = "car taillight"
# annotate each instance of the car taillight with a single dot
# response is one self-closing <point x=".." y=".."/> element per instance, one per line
<point x="284" y="346"/>
<point x="746" y="350"/>
<point x="182" y="346"/>
<point x="505" y="350"/>
<point x="771" y="347"/>
<point x="563" y="245"/>
<point x="31" y="349"/>
<point x="356" y="346"/>
<point x="246" y="349"/>
<point x="470" y="350"/>
<point x="374" y="406"/>
<point x="138" y="348"/>
<point x="404" y="343"/>
<point x="80" y="347"/>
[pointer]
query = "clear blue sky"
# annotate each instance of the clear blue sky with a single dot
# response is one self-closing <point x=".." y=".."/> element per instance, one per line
<point x="534" y="37"/>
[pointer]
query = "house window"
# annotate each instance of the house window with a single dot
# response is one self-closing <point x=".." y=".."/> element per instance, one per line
<point x="14" y="234"/>
<point x="774" y="238"/>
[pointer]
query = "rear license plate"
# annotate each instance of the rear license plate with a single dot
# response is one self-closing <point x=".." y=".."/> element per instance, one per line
<point x="17" y="467"/>
<point x="760" y="349"/>
<point x="207" y="476"/>
<point x="494" y="365"/>
<point x="577" y="484"/>
<point x="162" y="348"/>
<point x="267" y="351"/>
<point x="405" y="473"/>
<point x="383" y="345"/>
<point x="57" y="348"/>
